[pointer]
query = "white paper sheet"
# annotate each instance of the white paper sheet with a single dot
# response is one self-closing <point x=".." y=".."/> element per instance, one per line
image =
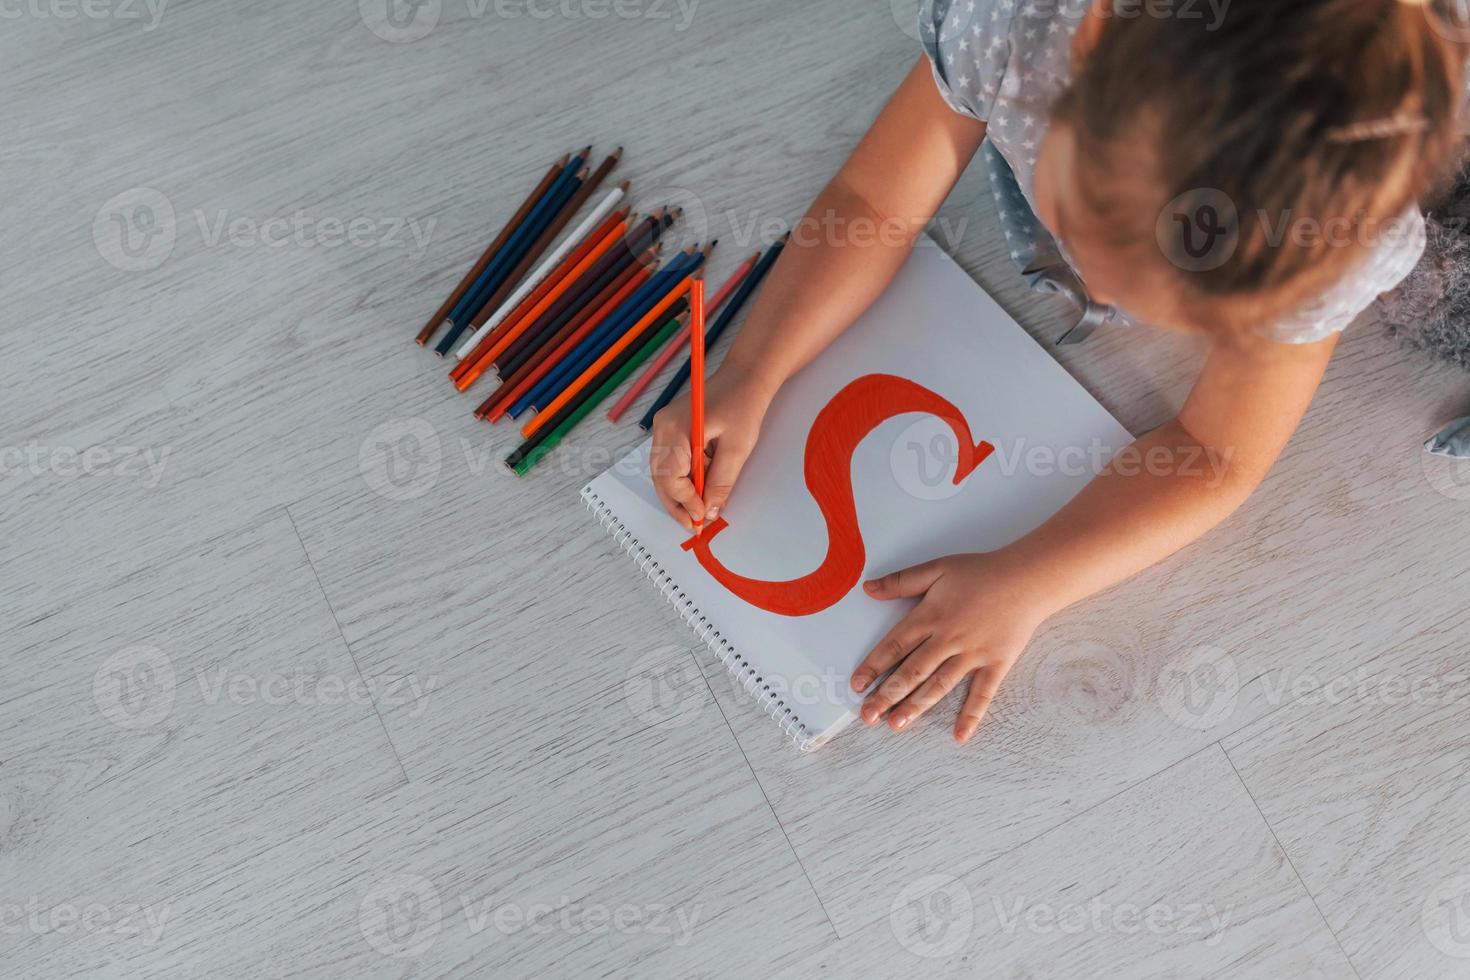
<point x="936" y="327"/>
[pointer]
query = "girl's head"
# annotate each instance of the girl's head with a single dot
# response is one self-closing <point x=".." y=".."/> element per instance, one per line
<point x="1218" y="178"/>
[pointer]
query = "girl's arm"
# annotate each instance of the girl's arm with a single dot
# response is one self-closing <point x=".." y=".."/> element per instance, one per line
<point x="1166" y="489"/>
<point x="841" y="257"/>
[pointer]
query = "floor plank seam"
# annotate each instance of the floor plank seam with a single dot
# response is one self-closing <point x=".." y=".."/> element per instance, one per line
<point x="1290" y="864"/>
<point x="961" y="872"/>
<point x="1252" y="722"/>
<point x="774" y="815"/>
<point x="372" y="697"/>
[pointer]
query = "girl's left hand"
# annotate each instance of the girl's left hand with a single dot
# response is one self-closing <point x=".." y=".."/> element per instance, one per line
<point x="974" y="620"/>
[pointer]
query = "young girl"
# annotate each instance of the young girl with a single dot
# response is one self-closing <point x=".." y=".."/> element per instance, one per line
<point x="1248" y="171"/>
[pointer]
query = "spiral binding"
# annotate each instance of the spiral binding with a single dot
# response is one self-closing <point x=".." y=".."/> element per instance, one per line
<point x="741" y="669"/>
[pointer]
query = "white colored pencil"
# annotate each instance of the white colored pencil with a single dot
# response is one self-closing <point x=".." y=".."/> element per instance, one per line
<point x="572" y="239"/>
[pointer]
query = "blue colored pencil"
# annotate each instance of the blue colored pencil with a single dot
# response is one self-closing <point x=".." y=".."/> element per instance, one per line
<point x="606" y="335"/>
<point x="541" y="215"/>
<point x="624" y="316"/>
<point x="748" y="287"/>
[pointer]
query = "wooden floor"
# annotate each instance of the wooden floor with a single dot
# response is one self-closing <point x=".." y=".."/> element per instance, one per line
<point x="296" y="681"/>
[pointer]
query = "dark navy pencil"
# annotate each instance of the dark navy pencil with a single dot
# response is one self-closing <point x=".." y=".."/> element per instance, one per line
<point x="545" y="211"/>
<point x="530" y="343"/>
<point x="672" y="315"/>
<point x="603" y="271"/>
<point x="623" y="317"/>
<point x="605" y="336"/>
<point x="748" y="287"/>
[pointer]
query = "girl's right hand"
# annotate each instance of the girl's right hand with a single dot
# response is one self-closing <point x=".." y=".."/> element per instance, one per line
<point x="735" y="403"/>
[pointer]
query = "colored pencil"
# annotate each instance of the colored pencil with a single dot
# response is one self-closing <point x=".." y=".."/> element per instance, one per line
<point x="696" y="386"/>
<point x="555" y="192"/>
<point x="675" y="345"/>
<point x="537" y="335"/>
<point x="510" y="226"/>
<point x="613" y="224"/>
<point x="590" y="371"/>
<point x="511" y="362"/>
<point x="514" y="387"/>
<point x="573" y="302"/>
<point x="497" y="343"/>
<point x="647" y="329"/>
<point x="559" y="220"/>
<point x="592" y="282"/>
<point x="748" y="287"/>
<point x="533" y="450"/>
<point x="550" y="262"/>
<point x="589" y="348"/>
<point x="479" y="295"/>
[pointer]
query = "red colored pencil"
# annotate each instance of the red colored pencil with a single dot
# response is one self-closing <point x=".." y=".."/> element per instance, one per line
<point x="495" y="406"/>
<point x="552" y="280"/>
<point x="677" y="342"/>
<point x="631" y="334"/>
<point x="696" y="380"/>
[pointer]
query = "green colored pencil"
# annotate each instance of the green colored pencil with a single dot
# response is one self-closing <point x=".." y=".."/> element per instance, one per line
<point x="531" y="451"/>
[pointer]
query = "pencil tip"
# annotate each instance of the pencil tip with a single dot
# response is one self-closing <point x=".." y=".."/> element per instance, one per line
<point x="625" y="185"/>
<point x="618" y="153"/>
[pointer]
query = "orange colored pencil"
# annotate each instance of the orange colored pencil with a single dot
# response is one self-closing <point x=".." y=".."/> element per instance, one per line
<point x="544" y="415"/>
<point x="552" y="280"/>
<point x="677" y="342"/>
<point x="528" y="317"/>
<point x="581" y="314"/>
<point x="551" y="346"/>
<point x="496" y="405"/>
<point x="696" y="382"/>
<point x="484" y="260"/>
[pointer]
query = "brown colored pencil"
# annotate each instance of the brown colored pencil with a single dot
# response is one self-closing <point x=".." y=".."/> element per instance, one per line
<point x="552" y="230"/>
<point x="529" y="363"/>
<point x="500" y="239"/>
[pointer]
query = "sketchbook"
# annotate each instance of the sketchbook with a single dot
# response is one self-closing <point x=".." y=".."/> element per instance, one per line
<point x="934" y="425"/>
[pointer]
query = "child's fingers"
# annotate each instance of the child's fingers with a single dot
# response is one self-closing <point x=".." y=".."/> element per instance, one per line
<point x="905" y="678"/>
<point x="930" y="693"/>
<point x="682" y="493"/>
<point x="730" y="456"/>
<point x="669" y="464"/>
<point x="905" y="583"/>
<point x="896" y="644"/>
<point x="672" y="506"/>
<point x="984" y="683"/>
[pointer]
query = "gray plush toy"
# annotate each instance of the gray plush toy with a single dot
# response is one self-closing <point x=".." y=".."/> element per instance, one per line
<point x="1430" y="309"/>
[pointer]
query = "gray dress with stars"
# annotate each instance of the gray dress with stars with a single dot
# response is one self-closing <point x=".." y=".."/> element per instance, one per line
<point x="1005" y="62"/>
